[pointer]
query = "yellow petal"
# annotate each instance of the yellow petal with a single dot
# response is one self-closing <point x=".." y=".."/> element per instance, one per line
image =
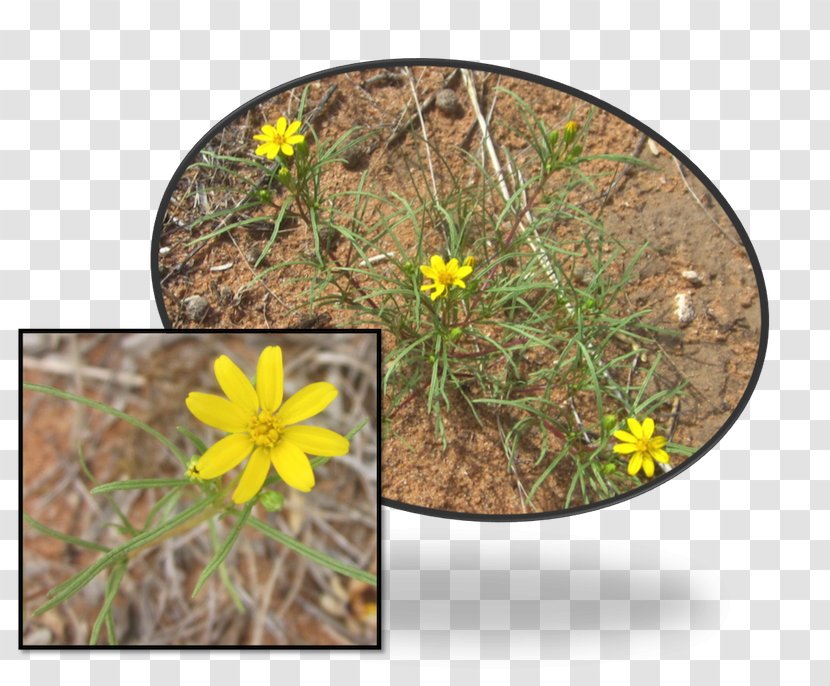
<point x="235" y="384"/>
<point x="253" y="477"/>
<point x="466" y="270"/>
<point x="452" y="265"/>
<point x="263" y="149"/>
<point x="224" y="455"/>
<point x="437" y="263"/>
<point x="272" y="151"/>
<point x="459" y="283"/>
<point x="295" y="140"/>
<point x="428" y="286"/>
<point x="269" y="131"/>
<point x="635" y="428"/>
<point x="269" y="380"/>
<point x="625" y="448"/>
<point x="293" y="466"/>
<point x="624" y="436"/>
<point x="316" y="440"/>
<point x="648" y="466"/>
<point x="282" y="125"/>
<point x="648" y="428"/>
<point x="439" y="290"/>
<point x="657" y="442"/>
<point x="261" y="137"/>
<point x="428" y="272"/>
<point x="293" y="128"/>
<point x="635" y="463"/>
<point x="217" y="412"/>
<point x="659" y="455"/>
<point x="306" y="402"/>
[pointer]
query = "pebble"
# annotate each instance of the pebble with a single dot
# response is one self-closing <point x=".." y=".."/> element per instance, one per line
<point x="196" y="308"/>
<point x="355" y="158"/>
<point x="684" y="309"/>
<point x="252" y="253"/>
<point x="447" y="101"/>
<point x="692" y="277"/>
<point x="225" y="294"/>
<point x="584" y="275"/>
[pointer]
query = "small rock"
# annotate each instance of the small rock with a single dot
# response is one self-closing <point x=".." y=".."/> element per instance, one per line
<point x="225" y="295"/>
<point x="195" y="308"/>
<point x="584" y="275"/>
<point x="684" y="309"/>
<point x="447" y="101"/>
<point x="653" y="147"/>
<point x="692" y="277"/>
<point x="252" y="253"/>
<point x="355" y="158"/>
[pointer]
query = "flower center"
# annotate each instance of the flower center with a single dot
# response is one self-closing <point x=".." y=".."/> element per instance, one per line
<point x="446" y="278"/>
<point x="264" y="429"/>
<point x="279" y="138"/>
<point x="642" y="445"/>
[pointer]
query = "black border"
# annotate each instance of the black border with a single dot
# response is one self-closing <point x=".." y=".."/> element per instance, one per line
<point x="542" y="81"/>
<point x="379" y="536"/>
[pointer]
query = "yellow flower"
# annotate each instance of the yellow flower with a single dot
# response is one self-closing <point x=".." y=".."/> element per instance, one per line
<point x="280" y="138"/>
<point x="445" y="275"/>
<point x="259" y="424"/>
<point x="642" y="445"/>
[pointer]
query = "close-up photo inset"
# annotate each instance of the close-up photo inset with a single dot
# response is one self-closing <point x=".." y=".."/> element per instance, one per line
<point x="572" y="313"/>
<point x="199" y="489"/>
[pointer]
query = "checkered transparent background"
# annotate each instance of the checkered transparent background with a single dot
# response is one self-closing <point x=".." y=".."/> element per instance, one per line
<point x="721" y="576"/>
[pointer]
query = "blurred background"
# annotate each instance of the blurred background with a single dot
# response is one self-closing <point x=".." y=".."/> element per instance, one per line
<point x="287" y="599"/>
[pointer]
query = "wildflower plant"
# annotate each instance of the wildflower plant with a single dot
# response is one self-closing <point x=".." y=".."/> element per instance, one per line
<point x="504" y="297"/>
<point x="263" y="427"/>
<point x="281" y="170"/>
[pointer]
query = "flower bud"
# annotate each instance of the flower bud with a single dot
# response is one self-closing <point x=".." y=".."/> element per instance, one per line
<point x="553" y="139"/>
<point x="470" y="261"/>
<point x="191" y="472"/>
<point x="271" y="500"/>
<point x="571" y="129"/>
<point x="455" y="333"/>
<point x="609" y="421"/>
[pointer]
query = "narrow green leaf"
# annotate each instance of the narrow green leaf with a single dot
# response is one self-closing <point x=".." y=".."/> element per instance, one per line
<point x="104" y="614"/>
<point x="198" y="443"/>
<point x="314" y="555"/>
<point x="222" y="553"/>
<point x="126" y="525"/>
<point x="75" y="583"/>
<point x="223" y="573"/>
<point x="66" y="538"/>
<point x="65" y="395"/>
<point x="136" y="484"/>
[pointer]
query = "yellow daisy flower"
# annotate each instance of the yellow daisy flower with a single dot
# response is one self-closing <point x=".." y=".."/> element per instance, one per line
<point x="642" y="445"/>
<point x="445" y="275"/>
<point x="280" y="138"/>
<point x="259" y="424"/>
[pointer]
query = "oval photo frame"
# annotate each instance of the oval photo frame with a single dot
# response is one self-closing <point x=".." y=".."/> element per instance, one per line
<point x="563" y="142"/>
